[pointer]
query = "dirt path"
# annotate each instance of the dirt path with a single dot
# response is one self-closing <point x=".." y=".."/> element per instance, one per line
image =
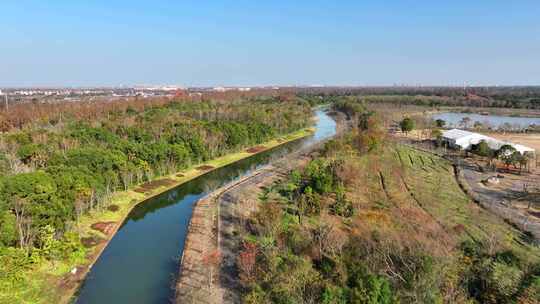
<point x="197" y="282"/>
<point x="194" y="285"/>
<point x="505" y="200"/>
<point x="236" y="206"/>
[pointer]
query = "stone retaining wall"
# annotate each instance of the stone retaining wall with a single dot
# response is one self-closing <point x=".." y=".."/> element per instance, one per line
<point x="194" y="284"/>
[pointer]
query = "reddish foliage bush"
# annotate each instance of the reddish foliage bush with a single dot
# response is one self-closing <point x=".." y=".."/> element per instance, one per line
<point x="246" y="262"/>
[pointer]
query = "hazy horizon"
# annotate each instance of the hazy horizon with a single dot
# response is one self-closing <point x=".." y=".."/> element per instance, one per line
<point x="180" y="86"/>
<point x="104" y="44"/>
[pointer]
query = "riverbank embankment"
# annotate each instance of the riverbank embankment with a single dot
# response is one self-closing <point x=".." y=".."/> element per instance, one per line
<point x="208" y="263"/>
<point x="207" y="267"/>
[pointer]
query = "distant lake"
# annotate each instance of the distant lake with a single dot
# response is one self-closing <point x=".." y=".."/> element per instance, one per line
<point x="493" y="121"/>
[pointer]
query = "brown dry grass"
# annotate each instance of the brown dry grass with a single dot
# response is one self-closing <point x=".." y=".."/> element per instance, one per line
<point x="256" y="149"/>
<point x="150" y="186"/>
<point x="204" y="168"/>
<point x="420" y="203"/>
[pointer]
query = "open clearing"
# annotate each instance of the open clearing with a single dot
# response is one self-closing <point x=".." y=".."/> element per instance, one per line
<point x="530" y="140"/>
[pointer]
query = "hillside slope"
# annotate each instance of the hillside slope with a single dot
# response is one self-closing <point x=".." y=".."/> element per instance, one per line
<point x="382" y="226"/>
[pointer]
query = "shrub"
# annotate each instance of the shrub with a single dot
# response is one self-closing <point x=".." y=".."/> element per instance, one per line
<point x="440" y="123"/>
<point x="14" y="263"/>
<point x="255" y="296"/>
<point x="407" y="125"/>
<point x="369" y="288"/>
<point x="503" y="280"/>
<point x="482" y="149"/>
<point x="334" y="295"/>
<point x="341" y="205"/>
<point x="531" y="292"/>
<point x="8" y="232"/>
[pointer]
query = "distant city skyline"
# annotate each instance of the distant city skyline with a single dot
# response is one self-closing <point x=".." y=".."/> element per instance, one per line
<point x="280" y="43"/>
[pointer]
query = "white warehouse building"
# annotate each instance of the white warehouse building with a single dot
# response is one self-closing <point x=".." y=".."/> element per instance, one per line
<point x="463" y="140"/>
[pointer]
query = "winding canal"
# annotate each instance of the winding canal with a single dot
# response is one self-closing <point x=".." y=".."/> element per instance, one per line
<point x="140" y="264"/>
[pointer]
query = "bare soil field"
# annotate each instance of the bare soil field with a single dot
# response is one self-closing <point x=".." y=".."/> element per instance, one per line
<point x="255" y="149"/>
<point x="205" y="168"/>
<point x="104" y="227"/>
<point x="529" y="140"/>
<point x="152" y="185"/>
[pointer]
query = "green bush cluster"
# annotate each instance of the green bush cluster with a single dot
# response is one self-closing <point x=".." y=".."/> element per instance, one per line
<point x="499" y="277"/>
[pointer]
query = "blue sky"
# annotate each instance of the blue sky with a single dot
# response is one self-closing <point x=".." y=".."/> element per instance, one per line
<point x="86" y="43"/>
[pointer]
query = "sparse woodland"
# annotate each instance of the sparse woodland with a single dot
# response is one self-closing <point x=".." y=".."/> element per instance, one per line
<point x="371" y="221"/>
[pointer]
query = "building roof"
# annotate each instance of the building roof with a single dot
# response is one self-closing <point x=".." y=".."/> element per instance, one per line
<point x="466" y="139"/>
<point x="522" y="148"/>
<point x="456" y="134"/>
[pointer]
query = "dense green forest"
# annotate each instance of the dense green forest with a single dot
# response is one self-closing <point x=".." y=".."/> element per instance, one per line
<point x="371" y="221"/>
<point x="53" y="171"/>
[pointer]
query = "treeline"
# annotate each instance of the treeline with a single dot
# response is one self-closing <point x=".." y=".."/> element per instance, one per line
<point x="53" y="173"/>
<point x="522" y="91"/>
<point x="19" y="115"/>
<point x="43" y="111"/>
<point x="501" y="97"/>
<point x="510" y="101"/>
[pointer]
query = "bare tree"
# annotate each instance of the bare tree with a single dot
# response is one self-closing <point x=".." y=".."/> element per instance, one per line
<point x="23" y="221"/>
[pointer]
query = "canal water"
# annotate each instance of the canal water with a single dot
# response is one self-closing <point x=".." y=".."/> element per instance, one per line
<point x="140" y="264"/>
